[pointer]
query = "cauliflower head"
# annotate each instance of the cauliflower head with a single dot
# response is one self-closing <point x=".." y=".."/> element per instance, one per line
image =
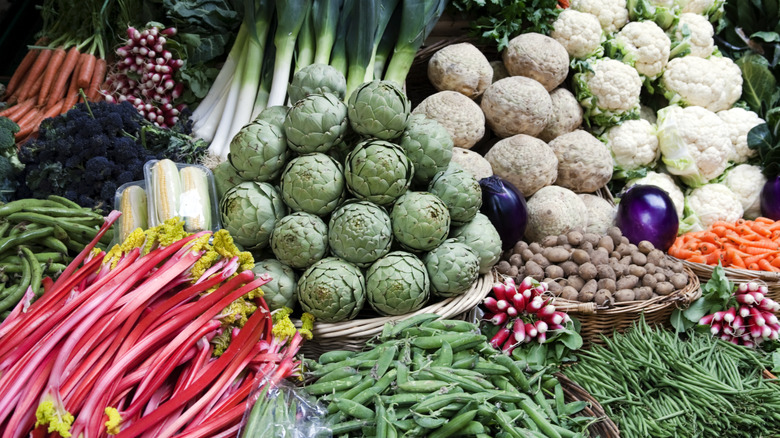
<point x="739" y="122"/>
<point x="663" y="12"/>
<point x="644" y="45"/>
<point x="714" y="83"/>
<point x="711" y="8"/>
<point x="708" y="204"/>
<point x="694" y="143"/>
<point x="634" y="147"/>
<point x="694" y="36"/>
<point x="579" y="33"/>
<point x="666" y="183"/>
<point x="609" y="92"/>
<point x="746" y="181"/>
<point x="612" y="14"/>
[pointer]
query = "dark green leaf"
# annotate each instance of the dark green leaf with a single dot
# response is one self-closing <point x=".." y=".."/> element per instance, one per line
<point x="759" y="138"/>
<point x="680" y="322"/>
<point x="759" y="84"/>
<point x="693" y="313"/>
<point x="718" y="286"/>
<point x="766" y="36"/>
<point x="201" y="16"/>
<point x="776" y="361"/>
<point x="571" y="339"/>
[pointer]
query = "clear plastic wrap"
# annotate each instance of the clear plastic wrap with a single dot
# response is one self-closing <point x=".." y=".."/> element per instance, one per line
<point x="282" y="411"/>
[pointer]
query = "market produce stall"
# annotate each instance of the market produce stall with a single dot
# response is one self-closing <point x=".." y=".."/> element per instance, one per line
<point x="334" y="218"/>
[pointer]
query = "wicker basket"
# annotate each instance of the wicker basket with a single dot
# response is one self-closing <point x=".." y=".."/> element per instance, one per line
<point x="353" y="335"/>
<point x="770" y="279"/>
<point x="604" y="427"/>
<point x="597" y="321"/>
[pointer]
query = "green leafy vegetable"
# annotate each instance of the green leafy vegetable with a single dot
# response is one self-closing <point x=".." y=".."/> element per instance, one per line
<point x="716" y="296"/>
<point x="759" y="89"/>
<point x="10" y="166"/>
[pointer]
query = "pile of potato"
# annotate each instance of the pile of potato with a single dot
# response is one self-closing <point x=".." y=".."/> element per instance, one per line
<point x="585" y="267"/>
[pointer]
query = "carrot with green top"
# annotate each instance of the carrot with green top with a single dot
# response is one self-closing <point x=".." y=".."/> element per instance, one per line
<point x="52" y="70"/>
<point x="58" y="88"/>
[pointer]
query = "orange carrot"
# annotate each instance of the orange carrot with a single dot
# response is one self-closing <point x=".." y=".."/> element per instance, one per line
<point x="16" y="109"/>
<point x="27" y="124"/>
<point x="776" y="262"/>
<point x="713" y="258"/>
<point x="21" y="71"/>
<point x="757" y="257"/>
<point x="52" y="70"/>
<point x="707" y="248"/>
<point x="734" y="258"/>
<point x="66" y="69"/>
<point x="696" y="258"/>
<point x="764" y="220"/>
<point x="98" y="76"/>
<point x="53" y="110"/>
<point x="34" y="75"/>
<point x="72" y="96"/>
<point x="753" y="267"/>
<point x="33" y="88"/>
<point x="766" y="266"/>
<point x="87" y="68"/>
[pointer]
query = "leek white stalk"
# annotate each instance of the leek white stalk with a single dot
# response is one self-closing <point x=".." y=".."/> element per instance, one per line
<point x="325" y="21"/>
<point x="360" y="40"/>
<point x="290" y="15"/>
<point x="417" y="20"/>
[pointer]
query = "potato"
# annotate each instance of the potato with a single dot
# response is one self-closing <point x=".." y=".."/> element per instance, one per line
<point x="664" y="288"/>
<point x="607" y="243"/>
<point x="650" y="268"/>
<point x="615" y="234"/>
<point x="569" y="293"/>
<point x="569" y="268"/>
<point x="603" y="297"/>
<point x="588" y="271"/>
<point x="586" y="246"/>
<point x="599" y="256"/>
<point x="527" y="254"/>
<point x="649" y="280"/>
<point x="615" y="254"/>
<point x="533" y="270"/>
<point x="535" y="247"/>
<point x="550" y="241"/>
<point x="638" y="258"/>
<point x="541" y="260"/>
<point x="553" y="286"/>
<point x="605" y="272"/>
<point x="643" y="293"/>
<point x="556" y="254"/>
<point x="503" y="267"/>
<point x="563" y="239"/>
<point x="520" y="273"/>
<point x="626" y="262"/>
<point x="627" y="282"/>
<point x="554" y="271"/>
<point x="617" y="267"/>
<point x="593" y="238"/>
<point x="575" y="281"/>
<point x="624" y="240"/>
<point x="677" y="267"/>
<point x="514" y="271"/>
<point x="608" y="284"/>
<point x="638" y="271"/>
<point x="645" y="247"/>
<point x="679" y="280"/>
<point x="580" y="256"/>
<point x="655" y="256"/>
<point x="622" y="250"/>
<point x="624" y="295"/>
<point x="519" y="246"/>
<point x="516" y="260"/>
<point x="567" y="247"/>
<point x="588" y="291"/>
<point x="660" y="276"/>
<point x="574" y="237"/>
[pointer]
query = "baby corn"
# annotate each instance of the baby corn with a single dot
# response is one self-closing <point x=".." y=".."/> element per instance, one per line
<point x="132" y="204"/>
<point x="166" y="188"/>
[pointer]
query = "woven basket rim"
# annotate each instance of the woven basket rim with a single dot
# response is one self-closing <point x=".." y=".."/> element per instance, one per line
<point x="360" y="330"/>
<point x="677" y="298"/>
<point x="574" y="392"/>
<point x="734" y="274"/>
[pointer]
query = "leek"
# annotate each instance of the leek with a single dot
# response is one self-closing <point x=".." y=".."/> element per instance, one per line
<point x="417" y="20"/>
<point x="261" y="101"/>
<point x="290" y="15"/>
<point x="386" y="44"/>
<point x="386" y="9"/>
<point x="338" y="57"/>
<point x="360" y="40"/>
<point x="304" y="54"/>
<point x="325" y="21"/>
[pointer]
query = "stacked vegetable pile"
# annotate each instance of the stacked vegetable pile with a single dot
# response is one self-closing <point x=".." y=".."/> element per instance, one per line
<point x="439" y="378"/>
<point x="367" y="198"/>
<point x="165" y="334"/>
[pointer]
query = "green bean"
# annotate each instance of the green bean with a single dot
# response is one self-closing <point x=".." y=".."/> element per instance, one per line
<point x="13" y="297"/>
<point x="27" y="236"/>
<point x="36" y="272"/>
<point x="21" y="204"/>
<point x="4" y="226"/>
<point x="75" y="231"/>
<point x="42" y="257"/>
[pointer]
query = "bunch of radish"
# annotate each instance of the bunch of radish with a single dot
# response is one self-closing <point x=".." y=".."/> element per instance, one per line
<point x="750" y="322"/>
<point x="144" y="75"/>
<point x="524" y="312"/>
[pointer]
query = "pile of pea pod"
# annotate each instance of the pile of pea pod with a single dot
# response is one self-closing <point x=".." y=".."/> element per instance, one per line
<point x="38" y="238"/>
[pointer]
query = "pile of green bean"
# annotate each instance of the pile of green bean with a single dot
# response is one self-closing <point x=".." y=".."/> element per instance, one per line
<point x="651" y="383"/>
<point x="438" y="378"/>
<point x="39" y="237"/>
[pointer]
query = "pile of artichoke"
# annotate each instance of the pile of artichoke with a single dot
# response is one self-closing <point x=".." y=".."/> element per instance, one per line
<point x="348" y="202"/>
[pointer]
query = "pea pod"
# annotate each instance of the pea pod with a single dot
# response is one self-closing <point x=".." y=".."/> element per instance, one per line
<point x="349" y="426"/>
<point x="386" y="357"/>
<point x="544" y="425"/>
<point x="519" y="377"/>
<point x="429" y="422"/>
<point x="444" y="355"/>
<point x="435" y="342"/>
<point x="411" y="321"/>
<point x="402" y="399"/>
<point x="438" y="401"/>
<point x="454" y="426"/>
<point x="381" y="418"/>
<point x="337" y="374"/>
<point x="366" y="383"/>
<point x="354" y="409"/>
<point x="452" y="325"/>
<point x="335" y="356"/>
<point x="336" y="385"/>
<point x="376" y="389"/>
<point x="422" y="386"/>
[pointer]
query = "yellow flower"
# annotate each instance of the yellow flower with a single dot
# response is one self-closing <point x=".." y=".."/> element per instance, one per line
<point x="283" y="327"/>
<point x="307" y="325"/>
<point x="60" y="422"/>
<point x="114" y="420"/>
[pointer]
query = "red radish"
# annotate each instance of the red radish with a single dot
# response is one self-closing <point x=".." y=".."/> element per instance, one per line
<point x="518" y="300"/>
<point x="530" y="330"/>
<point x="500" y="291"/>
<point x="500" y="337"/>
<point x="518" y="331"/>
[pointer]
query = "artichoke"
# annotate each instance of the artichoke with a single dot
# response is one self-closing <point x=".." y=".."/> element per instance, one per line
<point x="258" y="151"/>
<point x="317" y="79"/>
<point x="428" y="145"/>
<point x="420" y="221"/>
<point x="225" y="177"/>
<point x="452" y="267"/>
<point x="377" y="171"/>
<point x="250" y="211"/>
<point x="378" y="109"/>
<point x="299" y="239"/>
<point x="315" y="123"/>
<point x="332" y="290"/>
<point x="281" y="290"/>
<point x="274" y="115"/>
<point x="360" y="233"/>
<point x="397" y="283"/>
<point x="460" y="191"/>
<point x="481" y="236"/>
<point x="313" y="183"/>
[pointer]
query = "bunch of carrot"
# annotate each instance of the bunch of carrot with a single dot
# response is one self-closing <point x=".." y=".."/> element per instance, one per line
<point x="744" y="244"/>
<point x="48" y="82"/>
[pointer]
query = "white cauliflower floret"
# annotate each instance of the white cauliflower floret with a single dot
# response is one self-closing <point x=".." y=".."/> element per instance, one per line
<point x="701" y="34"/>
<point x="612" y="14"/>
<point x="739" y="122"/>
<point x="645" y="46"/>
<point x="714" y="83"/>
<point x="609" y="92"/>
<point x="666" y="183"/>
<point x="708" y="204"/>
<point x="579" y="32"/>
<point x="747" y="181"/>
<point x="694" y="143"/>
<point x="633" y="145"/>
